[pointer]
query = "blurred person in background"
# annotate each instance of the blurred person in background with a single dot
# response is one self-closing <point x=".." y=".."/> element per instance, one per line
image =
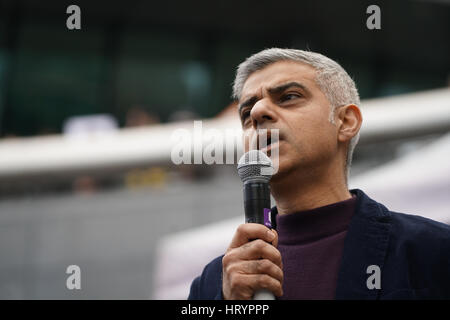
<point x="138" y="117"/>
<point x="189" y="172"/>
<point x="330" y="242"/>
<point x="86" y="127"/>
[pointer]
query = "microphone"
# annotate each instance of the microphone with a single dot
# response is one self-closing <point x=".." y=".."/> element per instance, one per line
<point x="255" y="170"/>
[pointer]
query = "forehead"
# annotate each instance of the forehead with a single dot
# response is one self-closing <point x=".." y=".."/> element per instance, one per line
<point x="278" y="73"/>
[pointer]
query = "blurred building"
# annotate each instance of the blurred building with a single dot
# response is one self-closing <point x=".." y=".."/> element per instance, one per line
<point x="181" y="55"/>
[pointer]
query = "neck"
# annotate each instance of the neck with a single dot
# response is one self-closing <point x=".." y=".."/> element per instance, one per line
<point x="297" y="193"/>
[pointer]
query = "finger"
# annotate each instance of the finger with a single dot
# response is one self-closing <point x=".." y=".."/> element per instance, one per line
<point x="257" y="282"/>
<point x="275" y="240"/>
<point x="250" y="231"/>
<point x="255" y="250"/>
<point x="262" y="266"/>
<point x="275" y="244"/>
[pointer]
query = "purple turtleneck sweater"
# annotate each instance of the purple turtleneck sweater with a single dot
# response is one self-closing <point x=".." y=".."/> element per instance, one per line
<point x="311" y="244"/>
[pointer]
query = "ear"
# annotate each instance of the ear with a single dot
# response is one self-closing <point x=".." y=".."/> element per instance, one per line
<point x="349" y="119"/>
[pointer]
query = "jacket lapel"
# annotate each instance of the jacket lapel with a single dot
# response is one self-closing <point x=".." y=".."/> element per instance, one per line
<point x="366" y="244"/>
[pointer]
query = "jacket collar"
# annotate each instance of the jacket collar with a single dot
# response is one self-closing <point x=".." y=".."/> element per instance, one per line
<point x="366" y="244"/>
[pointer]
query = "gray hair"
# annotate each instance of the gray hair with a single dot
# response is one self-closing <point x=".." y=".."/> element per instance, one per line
<point x="332" y="79"/>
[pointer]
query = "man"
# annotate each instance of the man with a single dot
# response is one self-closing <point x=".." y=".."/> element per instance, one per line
<point x="330" y="242"/>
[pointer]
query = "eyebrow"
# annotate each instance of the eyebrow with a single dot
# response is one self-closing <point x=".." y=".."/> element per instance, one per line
<point x="283" y="87"/>
<point x="249" y="102"/>
<point x="275" y="90"/>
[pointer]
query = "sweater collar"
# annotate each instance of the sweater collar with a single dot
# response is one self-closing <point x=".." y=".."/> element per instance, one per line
<point x="315" y="224"/>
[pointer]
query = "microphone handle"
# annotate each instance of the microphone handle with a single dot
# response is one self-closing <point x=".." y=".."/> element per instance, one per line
<point x="257" y="210"/>
<point x="263" y="294"/>
<point x="257" y="203"/>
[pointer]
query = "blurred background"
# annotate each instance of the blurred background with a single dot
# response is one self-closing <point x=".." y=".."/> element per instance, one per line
<point x="86" y="119"/>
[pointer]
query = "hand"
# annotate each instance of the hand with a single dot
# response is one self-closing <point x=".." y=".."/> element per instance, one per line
<point x="252" y="262"/>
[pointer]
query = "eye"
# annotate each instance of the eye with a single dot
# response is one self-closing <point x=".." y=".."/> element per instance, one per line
<point x="290" y="96"/>
<point x="245" y="114"/>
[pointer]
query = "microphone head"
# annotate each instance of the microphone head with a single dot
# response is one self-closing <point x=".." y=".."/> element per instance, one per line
<point x="255" y="165"/>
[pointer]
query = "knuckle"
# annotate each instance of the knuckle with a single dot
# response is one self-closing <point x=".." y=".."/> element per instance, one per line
<point x="265" y="281"/>
<point x="229" y="257"/>
<point x="264" y="266"/>
<point x="241" y="228"/>
<point x="226" y="260"/>
<point x="235" y="282"/>
<point x="277" y="257"/>
<point x="247" y="245"/>
<point x="229" y="268"/>
<point x="259" y="244"/>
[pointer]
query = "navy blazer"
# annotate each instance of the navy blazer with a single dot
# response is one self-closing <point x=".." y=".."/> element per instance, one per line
<point x="412" y="252"/>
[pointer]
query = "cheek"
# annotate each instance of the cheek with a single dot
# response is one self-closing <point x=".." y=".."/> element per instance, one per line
<point x="311" y="127"/>
<point x="313" y="134"/>
<point x="320" y="124"/>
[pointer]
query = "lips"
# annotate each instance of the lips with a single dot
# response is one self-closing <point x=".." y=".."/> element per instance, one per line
<point x="266" y="135"/>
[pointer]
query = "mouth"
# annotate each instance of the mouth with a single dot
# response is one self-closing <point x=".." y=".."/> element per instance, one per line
<point x="268" y="149"/>
<point x="270" y="142"/>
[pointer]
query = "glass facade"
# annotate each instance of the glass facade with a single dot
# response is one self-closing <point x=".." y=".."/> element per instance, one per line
<point x="124" y="58"/>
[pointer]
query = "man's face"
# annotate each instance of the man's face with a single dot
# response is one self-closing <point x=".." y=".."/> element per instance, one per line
<point x="285" y="96"/>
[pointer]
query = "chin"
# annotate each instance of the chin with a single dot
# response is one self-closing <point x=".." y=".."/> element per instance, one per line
<point x="280" y="174"/>
<point x="286" y="170"/>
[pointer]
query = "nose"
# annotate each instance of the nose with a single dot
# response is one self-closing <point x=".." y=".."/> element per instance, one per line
<point x="261" y="112"/>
